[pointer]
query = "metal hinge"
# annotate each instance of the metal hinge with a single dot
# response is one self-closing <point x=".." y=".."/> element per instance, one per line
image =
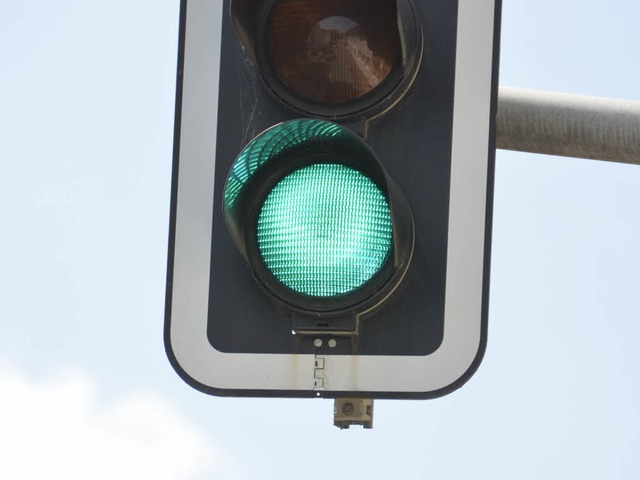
<point x="318" y="373"/>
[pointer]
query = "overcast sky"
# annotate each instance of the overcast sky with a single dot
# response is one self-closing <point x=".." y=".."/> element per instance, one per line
<point x="87" y="94"/>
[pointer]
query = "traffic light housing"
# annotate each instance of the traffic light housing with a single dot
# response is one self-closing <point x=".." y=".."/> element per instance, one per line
<point x="331" y="200"/>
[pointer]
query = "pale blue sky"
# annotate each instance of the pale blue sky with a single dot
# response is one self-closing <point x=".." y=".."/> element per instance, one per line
<point x="86" y="391"/>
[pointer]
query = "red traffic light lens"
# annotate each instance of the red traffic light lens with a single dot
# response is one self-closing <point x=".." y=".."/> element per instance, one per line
<point x="332" y="51"/>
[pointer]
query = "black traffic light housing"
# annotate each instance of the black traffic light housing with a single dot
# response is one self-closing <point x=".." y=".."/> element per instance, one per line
<point x="418" y="126"/>
<point x="401" y="133"/>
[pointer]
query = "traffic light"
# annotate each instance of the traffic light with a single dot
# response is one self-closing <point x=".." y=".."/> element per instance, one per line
<point x="332" y="193"/>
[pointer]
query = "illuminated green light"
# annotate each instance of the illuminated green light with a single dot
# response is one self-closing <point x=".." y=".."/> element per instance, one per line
<point x="324" y="230"/>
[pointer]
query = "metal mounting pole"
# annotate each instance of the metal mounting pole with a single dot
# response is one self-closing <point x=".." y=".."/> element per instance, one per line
<point x="568" y="125"/>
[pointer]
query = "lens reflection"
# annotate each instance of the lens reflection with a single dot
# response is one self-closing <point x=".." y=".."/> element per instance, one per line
<point x="335" y="51"/>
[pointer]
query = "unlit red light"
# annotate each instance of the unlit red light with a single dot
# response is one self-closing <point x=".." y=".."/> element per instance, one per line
<point x="332" y="52"/>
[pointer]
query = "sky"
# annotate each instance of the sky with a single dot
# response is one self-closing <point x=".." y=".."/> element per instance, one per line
<point x="87" y="94"/>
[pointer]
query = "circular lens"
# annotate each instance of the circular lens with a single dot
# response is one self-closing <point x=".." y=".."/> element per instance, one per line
<point x="324" y="230"/>
<point x="332" y="51"/>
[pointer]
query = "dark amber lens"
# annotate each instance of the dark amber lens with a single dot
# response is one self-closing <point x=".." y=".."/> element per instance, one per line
<point x="332" y="51"/>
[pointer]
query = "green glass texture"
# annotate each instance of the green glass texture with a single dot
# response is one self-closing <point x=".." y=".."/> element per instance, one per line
<point x="324" y="230"/>
<point x="271" y="143"/>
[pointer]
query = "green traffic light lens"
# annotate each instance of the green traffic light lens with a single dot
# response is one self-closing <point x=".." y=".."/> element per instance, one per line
<point x="324" y="230"/>
<point x="309" y="206"/>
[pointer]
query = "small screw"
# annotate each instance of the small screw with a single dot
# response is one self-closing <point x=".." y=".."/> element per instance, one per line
<point x="333" y="343"/>
<point x="347" y="409"/>
<point x="317" y="342"/>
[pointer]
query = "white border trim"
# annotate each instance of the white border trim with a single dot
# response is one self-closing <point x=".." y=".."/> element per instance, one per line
<point x="466" y="249"/>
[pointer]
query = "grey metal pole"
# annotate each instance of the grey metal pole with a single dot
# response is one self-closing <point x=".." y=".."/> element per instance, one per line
<point x="568" y="125"/>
